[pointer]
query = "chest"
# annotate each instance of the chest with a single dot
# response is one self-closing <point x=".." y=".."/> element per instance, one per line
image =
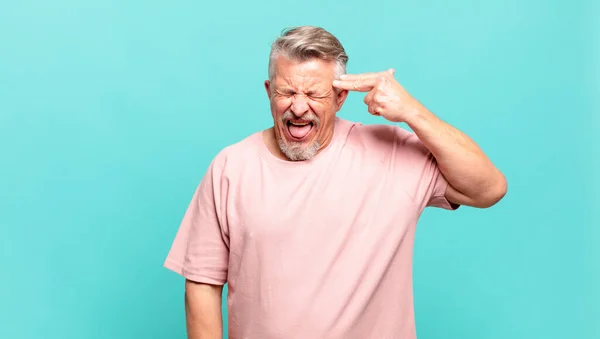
<point x="349" y="198"/>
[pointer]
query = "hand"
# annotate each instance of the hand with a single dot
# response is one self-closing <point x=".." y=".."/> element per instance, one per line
<point x="385" y="97"/>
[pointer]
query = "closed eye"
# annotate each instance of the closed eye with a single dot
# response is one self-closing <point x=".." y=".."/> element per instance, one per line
<point x="285" y="93"/>
<point x="317" y="95"/>
<point x="310" y="94"/>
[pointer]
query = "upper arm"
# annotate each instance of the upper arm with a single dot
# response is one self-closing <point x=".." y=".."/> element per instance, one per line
<point x="203" y="292"/>
<point x="420" y="174"/>
<point x="203" y="309"/>
<point x="200" y="250"/>
<point x="457" y="198"/>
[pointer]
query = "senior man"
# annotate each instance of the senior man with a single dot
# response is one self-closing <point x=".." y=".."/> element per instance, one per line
<point x="311" y="222"/>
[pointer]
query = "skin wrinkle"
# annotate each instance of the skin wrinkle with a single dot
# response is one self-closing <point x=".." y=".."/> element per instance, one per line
<point x="302" y="91"/>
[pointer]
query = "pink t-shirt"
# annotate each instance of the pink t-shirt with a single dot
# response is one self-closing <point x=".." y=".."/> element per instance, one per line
<point x="313" y="249"/>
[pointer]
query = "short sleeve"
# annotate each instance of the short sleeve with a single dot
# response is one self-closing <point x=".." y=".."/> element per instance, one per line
<point x="200" y="251"/>
<point x="427" y="183"/>
<point x="436" y="192"/>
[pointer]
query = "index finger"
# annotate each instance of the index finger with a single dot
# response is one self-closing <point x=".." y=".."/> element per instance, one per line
<point x="367" y="75"/>
<point x="359" y="85"/>
<point x="360" y="76"/>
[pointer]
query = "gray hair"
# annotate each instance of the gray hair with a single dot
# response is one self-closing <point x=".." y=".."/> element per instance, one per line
<point x="308" y="42"/>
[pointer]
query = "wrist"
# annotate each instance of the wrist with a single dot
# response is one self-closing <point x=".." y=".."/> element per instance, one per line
<point x="417" y="116"/>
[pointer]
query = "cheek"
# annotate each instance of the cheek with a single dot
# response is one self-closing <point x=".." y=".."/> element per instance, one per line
<point x="319" y="107"/>
<point x="280" y="106"/>
<point x="323" y="108"/>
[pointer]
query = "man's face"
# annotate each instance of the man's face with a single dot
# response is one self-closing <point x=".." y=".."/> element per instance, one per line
<point x="304" y="105"/>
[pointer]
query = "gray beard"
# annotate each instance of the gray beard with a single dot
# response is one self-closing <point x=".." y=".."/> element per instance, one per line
<point x="295" y="151"/>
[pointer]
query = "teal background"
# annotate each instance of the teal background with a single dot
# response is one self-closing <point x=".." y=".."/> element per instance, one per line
<point x="110" y="112"/>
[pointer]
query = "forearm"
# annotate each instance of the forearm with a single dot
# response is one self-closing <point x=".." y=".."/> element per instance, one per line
<point x="473" y="179"/>
<point x="462" y="162"/>
<point x="203" y="311"/>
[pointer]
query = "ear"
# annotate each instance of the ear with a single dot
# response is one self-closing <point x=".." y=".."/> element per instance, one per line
<point x="340" y="98"/>
<point x="268" y="88"/>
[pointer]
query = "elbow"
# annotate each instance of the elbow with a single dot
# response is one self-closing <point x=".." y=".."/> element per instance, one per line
<point x="494" y="193"/>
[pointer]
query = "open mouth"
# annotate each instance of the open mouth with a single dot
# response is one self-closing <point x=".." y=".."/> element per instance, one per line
<point x="299" y="130"/>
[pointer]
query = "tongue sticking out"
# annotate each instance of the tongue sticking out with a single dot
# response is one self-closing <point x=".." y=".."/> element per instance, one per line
<point x="299" y="132"/>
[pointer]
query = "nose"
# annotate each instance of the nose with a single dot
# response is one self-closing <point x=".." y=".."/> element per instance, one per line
<point x="299" y="105"/>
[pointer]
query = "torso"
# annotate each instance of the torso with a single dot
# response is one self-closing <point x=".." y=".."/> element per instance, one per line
<point x="323" y="249"/>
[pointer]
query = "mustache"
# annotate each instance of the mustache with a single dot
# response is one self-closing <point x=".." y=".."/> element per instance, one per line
<point x="310" y="117"/>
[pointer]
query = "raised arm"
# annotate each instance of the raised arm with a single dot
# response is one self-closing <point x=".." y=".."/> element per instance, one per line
<point x="473" y="179"/>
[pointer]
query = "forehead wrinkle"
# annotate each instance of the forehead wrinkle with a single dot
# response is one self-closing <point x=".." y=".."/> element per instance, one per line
<point x="301" y="83"/>
<point x="310" y="85"/>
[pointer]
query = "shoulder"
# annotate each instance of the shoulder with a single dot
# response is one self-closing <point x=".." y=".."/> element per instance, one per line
<point x="386" y="137"/>
<point x="369" y="136"/>
<point x="234" y="156"/>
